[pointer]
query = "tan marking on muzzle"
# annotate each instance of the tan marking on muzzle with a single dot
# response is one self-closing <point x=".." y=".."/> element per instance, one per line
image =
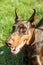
<point x="19" y="39"/>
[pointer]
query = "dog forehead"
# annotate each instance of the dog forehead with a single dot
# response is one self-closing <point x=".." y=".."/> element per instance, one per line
<point x="22" y="23"/>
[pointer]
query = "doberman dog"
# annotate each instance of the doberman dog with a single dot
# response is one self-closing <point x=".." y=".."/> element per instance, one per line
<point x="26" y="37"/>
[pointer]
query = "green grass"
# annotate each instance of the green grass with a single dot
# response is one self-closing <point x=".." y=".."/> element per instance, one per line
<point x="7" y="15"/>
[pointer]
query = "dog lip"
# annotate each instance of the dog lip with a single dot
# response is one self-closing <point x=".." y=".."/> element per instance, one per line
<point x="14" y="49"/>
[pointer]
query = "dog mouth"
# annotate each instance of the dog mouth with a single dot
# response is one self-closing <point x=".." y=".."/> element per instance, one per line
<point x="17" y="49"/>
<point x="22" y="42"/>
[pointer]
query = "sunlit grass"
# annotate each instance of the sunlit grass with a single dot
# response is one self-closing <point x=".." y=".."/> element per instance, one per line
<point x="1" y="45"/>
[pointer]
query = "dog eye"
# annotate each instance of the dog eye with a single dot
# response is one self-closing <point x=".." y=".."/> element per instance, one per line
<point x="22" y="29"/>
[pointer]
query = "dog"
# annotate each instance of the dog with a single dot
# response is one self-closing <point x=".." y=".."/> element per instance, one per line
<point x="28" y="38"/>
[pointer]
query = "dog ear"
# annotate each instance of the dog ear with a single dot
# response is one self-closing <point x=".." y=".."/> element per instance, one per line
<point x="16" y="16"/>
<point x="33" y="17"/>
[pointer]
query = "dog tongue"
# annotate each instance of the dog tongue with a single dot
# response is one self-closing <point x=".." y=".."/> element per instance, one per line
<point x="18" y="48"/>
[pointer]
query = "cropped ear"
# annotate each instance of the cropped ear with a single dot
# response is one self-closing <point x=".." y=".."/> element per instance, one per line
<point x="16" y="16"/>
<point x="33" y="17"/>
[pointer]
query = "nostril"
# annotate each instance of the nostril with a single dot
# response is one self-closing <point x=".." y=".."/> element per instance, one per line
<point x="8" y="44"/>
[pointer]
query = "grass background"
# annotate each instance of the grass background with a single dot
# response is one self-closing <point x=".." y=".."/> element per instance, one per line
<point x="7" y="15"/>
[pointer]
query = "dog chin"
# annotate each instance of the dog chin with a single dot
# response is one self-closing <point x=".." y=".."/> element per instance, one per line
<point x="17" y="49"/>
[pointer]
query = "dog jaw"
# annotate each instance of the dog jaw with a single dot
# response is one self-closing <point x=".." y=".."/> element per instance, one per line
<point x="24" y="40"/>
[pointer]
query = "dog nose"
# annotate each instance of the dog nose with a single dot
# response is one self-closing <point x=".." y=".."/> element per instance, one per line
<point x="8" y="44"/>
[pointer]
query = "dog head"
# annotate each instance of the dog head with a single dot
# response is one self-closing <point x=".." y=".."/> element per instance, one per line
<point x="23" y="33"/>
